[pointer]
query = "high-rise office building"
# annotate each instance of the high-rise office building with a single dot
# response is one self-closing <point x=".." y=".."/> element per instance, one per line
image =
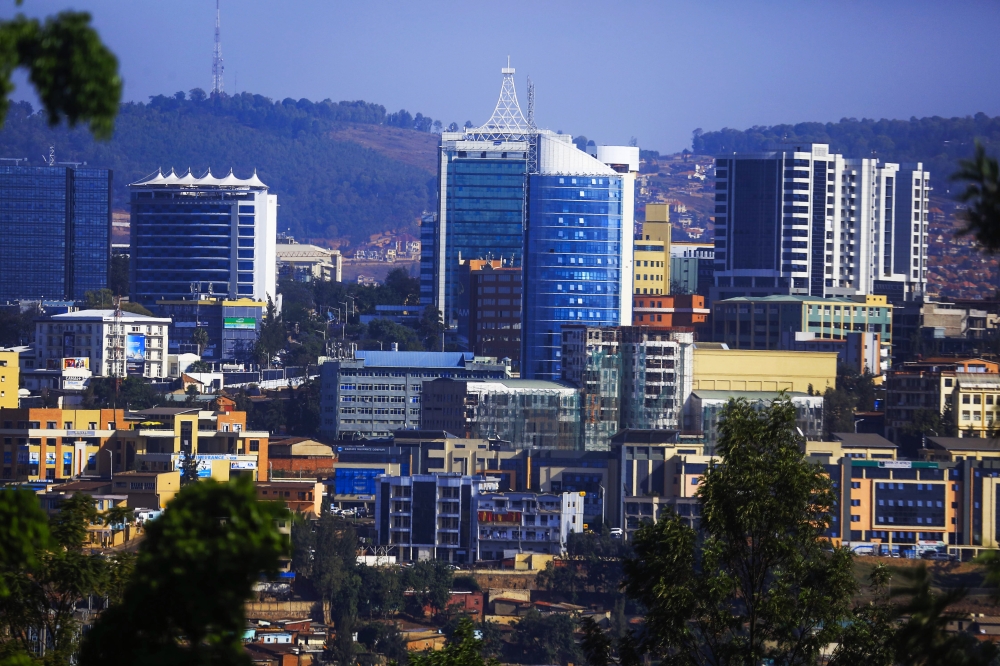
<point x="578" y="237"/>
<point x="507" y="186"/>
<point x="56" y="226"/>
<point x="808" y="222"/>
<point x="208" y="235"/>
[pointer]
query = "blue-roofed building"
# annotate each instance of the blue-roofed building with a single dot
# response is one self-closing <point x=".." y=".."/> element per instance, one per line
<point x="375" y="393"/>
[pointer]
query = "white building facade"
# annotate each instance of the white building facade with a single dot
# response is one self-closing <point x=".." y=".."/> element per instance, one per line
<point x="99" y="344"/>
<point x="810" y="222"/>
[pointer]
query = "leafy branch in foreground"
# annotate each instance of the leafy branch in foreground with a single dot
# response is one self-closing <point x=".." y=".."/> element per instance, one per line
<point x="184" y="603"/>
<point x="74" y="73"/>
<point x="981" y="175"/>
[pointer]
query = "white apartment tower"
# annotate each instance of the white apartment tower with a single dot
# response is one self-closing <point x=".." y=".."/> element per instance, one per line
<point x="806" y="221"/>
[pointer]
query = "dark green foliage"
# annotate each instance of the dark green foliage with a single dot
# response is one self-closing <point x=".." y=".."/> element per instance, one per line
<point x="74" y="74"/>
<point x="327" y="188"/>
<point x="937" y="142"/>
<point x="384" y="639"/>
<point x="382" y="333"/>
<point x="302" y="416"/>
<point x="195" y="571"/>
<point x="431" y="581"/>
<point x="272" y="337"/>
<point x="758" y="583"/>
<point x="199" y="366"/>
<point x="118" y="275"/>
<point x="543" y="639"/>
<point x="325" y="553"/>
<point x="45" y="588"/>
<point x="869" y="633"/>
<point x="189" y="469"/>
<point x="923" y="639"/>
<point x="854" y="393"/>
<point x="133" y="393"/>
<point x="431" y="328"/>
<point x="23" y="530"/>
<point x="462" y="649"/>
<point x="981" y="176"/>
<point x="105" y="299"/>
<point x="16" y="327"/>
<point x="381" y="592"/>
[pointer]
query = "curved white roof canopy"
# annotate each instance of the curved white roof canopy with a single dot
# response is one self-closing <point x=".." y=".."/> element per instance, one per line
<point x="158" y="179"/>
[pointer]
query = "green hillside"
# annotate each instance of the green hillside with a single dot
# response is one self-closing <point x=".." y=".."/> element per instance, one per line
<point x="327" y="187"/>
<point x="937" y="142"/>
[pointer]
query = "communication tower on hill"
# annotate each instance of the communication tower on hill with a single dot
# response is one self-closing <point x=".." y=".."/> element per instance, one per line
<point x="218" y="69"/>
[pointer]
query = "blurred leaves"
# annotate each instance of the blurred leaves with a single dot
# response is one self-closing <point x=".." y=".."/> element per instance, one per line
<point x="75" y="75"/>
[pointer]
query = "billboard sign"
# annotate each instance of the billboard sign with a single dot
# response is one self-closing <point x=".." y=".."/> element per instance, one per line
<point x="74" y="384"/>
<point x="240" y="323"/>
<point x="76" y="363"/>
<point x="135" y="347"/>
<point x="135" y="354"/>
<point x="243" y="464"/>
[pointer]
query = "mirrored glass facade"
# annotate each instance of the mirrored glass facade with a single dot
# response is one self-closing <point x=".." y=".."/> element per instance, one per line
<point x="56" y="226"/>
<point x="481" y="217"/>
<point x="572" y="264"/>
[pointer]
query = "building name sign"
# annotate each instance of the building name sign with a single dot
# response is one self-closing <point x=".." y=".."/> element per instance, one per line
<point x="81" y="433"/>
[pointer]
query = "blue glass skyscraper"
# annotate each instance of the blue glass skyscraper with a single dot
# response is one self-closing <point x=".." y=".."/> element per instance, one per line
<point x="508" y="190"/>
<point x="578" y="248"/>
<point x="56" y="227"/>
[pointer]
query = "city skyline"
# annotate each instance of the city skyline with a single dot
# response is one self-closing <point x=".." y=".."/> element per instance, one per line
<point x="669" y="69"/>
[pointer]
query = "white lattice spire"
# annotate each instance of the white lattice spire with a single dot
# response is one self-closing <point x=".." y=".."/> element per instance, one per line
<point x="507" y="120"/>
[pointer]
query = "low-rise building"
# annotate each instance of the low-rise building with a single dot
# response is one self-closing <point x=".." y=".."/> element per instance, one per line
<point x="678" y="310"/>
<point x="375" y="393"/>
<point x="102" y="343"/>
<point x="927" y="385"/>
<point x="758" y="322"/>
<point x="308" y="263"/>
<point x="720" y="368"/>
<point x="976" y="404"/>
<point x="300" y="457"/>
<point x="512" y="523"/>
<point x="232" y="327"/>
<point x="147" y="490"/>
<point x="298" y="496"/>
<point x="10" y="376"/>
<point x="524" y="412"/>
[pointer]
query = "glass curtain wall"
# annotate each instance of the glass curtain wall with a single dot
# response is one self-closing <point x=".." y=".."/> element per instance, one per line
<point x="572" y="266"/>
<point x="484" y="212"/>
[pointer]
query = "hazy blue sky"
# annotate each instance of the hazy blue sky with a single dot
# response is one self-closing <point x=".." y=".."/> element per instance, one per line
<point x="610" y="70"/>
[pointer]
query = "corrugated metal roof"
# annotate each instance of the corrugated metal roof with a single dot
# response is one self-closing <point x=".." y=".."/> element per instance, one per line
<point x="413" y="359"/>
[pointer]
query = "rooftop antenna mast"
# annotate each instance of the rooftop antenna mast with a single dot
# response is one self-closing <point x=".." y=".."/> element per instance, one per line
<point x="531" y="103"/>
<point x="218" y="69"/>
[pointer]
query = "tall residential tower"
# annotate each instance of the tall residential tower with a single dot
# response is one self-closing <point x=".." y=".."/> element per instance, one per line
<point x="809" y="222"/>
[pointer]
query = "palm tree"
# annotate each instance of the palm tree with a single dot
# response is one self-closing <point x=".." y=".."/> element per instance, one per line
<point x="200" y="338"/>
<point x="981" y="176"/>
<point x="118" y="518"/>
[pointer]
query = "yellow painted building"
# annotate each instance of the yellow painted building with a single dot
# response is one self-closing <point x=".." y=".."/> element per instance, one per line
<point x="717" y="368"/>
<point x="652" y="252"/>
<point x="10" y="377"/>
<point x="976" y="404"/>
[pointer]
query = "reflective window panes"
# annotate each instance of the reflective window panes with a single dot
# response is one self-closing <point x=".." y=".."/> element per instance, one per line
<point x="56" y="223"/>
<point x="572" y="265"/>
